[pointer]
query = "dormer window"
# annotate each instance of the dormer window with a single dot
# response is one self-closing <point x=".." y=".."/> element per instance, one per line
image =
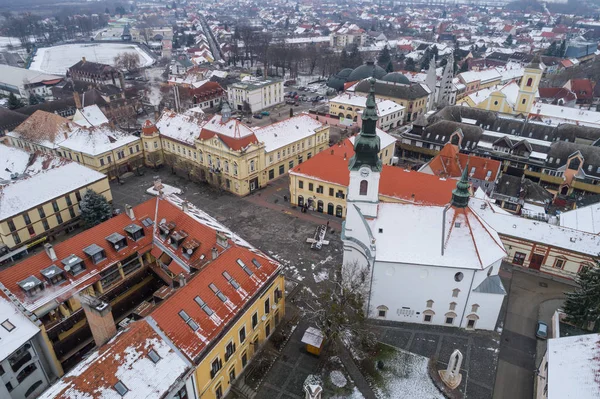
<point x="31" y="285"/>
<point x="53" y="274"/>
<point x="166" y="229"/>
<point x="73" y="264"/>
<point x="244" y="267"/>
<point x="231" y="280"/>
<point x="96" y="253"/>
<point x="134" y="232"/>
<point x="189" y="247"/>
<point x="218" y="292"/>
<point x="177" y="238"/>
<point x="117" y="241"/>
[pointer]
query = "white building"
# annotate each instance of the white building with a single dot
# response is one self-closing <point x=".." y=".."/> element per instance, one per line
<point x="24" y="82"/>
<point x="569" y="368"/>
<point x="24" y="367"/>
<point x="349" y="106"/>
<point x="258" y="93"/>
<point x="347" y="34"/>
<point x="426" y="264"/>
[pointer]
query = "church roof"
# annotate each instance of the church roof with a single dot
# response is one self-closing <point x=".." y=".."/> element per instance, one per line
<point x="396" y="77"/>
<point x="491" y="285"/>
<point x="436" y="236"/>
<point x="366" y="71"/>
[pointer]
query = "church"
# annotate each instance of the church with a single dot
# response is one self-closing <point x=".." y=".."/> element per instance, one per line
<point x="425" y="264"/>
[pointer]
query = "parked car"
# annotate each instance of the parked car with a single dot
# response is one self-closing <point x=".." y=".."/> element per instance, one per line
<point x="265" y="113"/>
<point x="541" y="330"/>
<point x="257" y="116"/>
<point x="290" y="101"/>
<point x="290" y="82"/>
<point x="302" y="88"/>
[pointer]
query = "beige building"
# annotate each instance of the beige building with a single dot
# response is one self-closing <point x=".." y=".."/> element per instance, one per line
<point x="258" y="94"/>
<point x="102" y="148"/>
<point x="348" y="107"/>
<point x="39" y="197"/>
<point x="228" y="154"/>
<point x="346" y="35"/>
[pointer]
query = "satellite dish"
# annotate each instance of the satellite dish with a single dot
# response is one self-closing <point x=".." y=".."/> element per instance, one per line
<point x="67" y="268"/>
<point x="163" y="221"/>
<point x="116" y="246"/>
<point x="189" y="251"/>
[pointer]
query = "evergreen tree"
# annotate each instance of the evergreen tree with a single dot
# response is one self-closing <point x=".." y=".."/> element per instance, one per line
<point x="551" y="50"/>
<point x="563" y="49"/>
<point x="33" y="100"/>
<point x="410" y="65"/>
<point x="390" y="67"/>
<point x="344" y="61"/>
<point x="384" y="57"/>
<point x="583" y="305"/>
<point x="355" y="57"/>
<point x="509" y="40"/>
<point x="14" y="102"/>
<point x="464" y="67"/>
<point x="95" y="209"/>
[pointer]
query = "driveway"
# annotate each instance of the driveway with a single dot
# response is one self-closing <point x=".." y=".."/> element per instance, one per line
<point x="516" y="363"/>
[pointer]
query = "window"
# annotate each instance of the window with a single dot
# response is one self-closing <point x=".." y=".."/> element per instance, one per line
<point x="72" y="212"/>
<point x="219" y="392"/>
<point x="458" y="277"/>
<point x="31" y="231"/>
<point x="559" y="263"/>
<point x="33" y="387"/>
<point x="310" y="187"/>
<point x="153" y="356"/>
<point x="218" y="292"/>
<point x="519" y="258"/>
<point x="452" y="305"/>
<point x="529" y="82"/>
<point x="55" y="206"/>
<point x="11" y="225"/>
<point x="455" y="293"/>
<point x="244" y="359"/>
<point x="41" y="212"/>
<point x="320" y="189"/>
<point x="281" y="169"/>
<point x="229" y="350"/>
<point x="204" y="306"/>
<point x="364" y="187"/>
<point x="449" y="320"/>
<point x="78" y="196"/>
<point x="215" y="367"/>
<point x="26" y="218"/>
<point x="16" y="238"/>
<point x="235" y="169"/>
<point x="427" y="318"/>
<point x="8" y="326"/>
<point x="381" y="313"/>
<point x="231" y="374"/>
<point x="291" y="165"/>
<point x="267" y="329"/>
<point x="242" y="334"/>
<point x="267" y="306"/>
<point x="474" y="308"/>
<point x="300" y="184"/>
<point x="252" y="166"/>
<point x="331" y="191"/>
<point x="254" y="320"/>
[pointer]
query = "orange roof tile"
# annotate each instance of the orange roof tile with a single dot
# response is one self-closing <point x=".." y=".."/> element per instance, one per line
<point x="331" y="166"/>
<point x="449" y="162"/>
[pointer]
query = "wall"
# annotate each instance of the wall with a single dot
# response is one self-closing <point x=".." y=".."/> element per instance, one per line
<point x="10" y="377"/>
<point x="207" y="385"/>
<point x="541" y="379"/>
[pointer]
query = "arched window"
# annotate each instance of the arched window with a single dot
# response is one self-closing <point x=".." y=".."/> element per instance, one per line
<point x="341" y="115"/>
<point x="429" y="303"/>
<point x="209" y="160"/>
<point x="252" y="166"/>
<point x="529" y="82"/>
<point x="349" y="108"/>
<point x="348" y="116"/>
<point x="339" y="211"/>
<point x="235" y="169"/>
<point x="227" y="166"/>
<point x="218" y="163"/>
<point x="364" y="187"/>
<point x="342" y="107"/>
<point x="320" y="206"/>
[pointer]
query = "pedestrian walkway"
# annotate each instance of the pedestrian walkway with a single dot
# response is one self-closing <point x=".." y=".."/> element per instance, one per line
<point x="359" y="379"/>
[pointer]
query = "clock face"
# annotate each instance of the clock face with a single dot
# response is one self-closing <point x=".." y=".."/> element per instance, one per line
<point x="364" y="172"/>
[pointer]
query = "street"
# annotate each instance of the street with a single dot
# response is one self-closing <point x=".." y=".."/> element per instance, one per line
<point x="516" y="364"/>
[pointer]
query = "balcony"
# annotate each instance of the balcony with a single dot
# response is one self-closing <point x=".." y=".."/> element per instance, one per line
<point x="20" y="359"/>
<point x="55" y="328"/>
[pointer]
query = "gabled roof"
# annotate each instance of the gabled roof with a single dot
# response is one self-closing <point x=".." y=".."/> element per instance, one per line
<point x="449" y="162"/>
<point x="491" y="285"/>
<point x="126" y="359"/>
<point x="233" y="133"/>
<point x="44" y="128"/>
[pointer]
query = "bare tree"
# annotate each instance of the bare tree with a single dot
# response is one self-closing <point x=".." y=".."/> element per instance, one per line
<point x="128" y="61"/>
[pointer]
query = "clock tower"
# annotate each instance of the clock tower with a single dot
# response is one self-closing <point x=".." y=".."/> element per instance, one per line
<point x="365" y="165"/>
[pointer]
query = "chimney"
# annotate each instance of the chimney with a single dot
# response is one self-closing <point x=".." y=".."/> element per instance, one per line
<point x="129" y="212"/>
<point x="77" y="99"/>
<point x="83" y="59"/>
<point x="50" y="252"/>
<point x="184" y="206"/>
<point x="215" y="253"/>
<point x="221" y="239"/>
<point x="122" y="81"/>
<point x="100" y="319"/>
<point x="181" y="279"/>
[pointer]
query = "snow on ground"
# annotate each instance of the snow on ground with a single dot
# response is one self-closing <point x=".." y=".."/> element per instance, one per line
<point x="6" y="41"/>
<point x="167" y="190"/>
<point x="337" y="378"/>
<point x="321" y="276"/>
<point x="405" y="375"/>
<point x="57" y="59"/>
<point x="354" y="395"/>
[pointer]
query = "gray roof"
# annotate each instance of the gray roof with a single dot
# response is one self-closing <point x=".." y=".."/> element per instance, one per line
<point x="93" y="249"/>
<point x="366" y="71"/>
<point x="29" y="283"/>
<point x="560" y="151"/>
<point x="51" y="271"/>
<point x="407" y="92"/>
<point x="491" y="285"/>
<point x="114" y="238"/>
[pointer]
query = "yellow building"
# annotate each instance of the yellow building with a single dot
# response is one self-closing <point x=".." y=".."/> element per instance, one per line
<point x="413" y="97"/>
<point x="228" y="154"/>
<point x="39" y="197"/>
<point x="102" y="148"/>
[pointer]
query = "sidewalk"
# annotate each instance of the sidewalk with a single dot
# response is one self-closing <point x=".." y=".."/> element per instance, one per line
<point x="356" y="375"/>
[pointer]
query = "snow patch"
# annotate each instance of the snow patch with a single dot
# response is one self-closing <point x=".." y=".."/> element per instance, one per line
<point x="337" y="378"/>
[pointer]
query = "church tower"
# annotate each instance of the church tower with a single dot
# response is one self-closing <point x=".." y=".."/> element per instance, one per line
<point x="431" y="81"/>
<point x="445" y="92"/>
<point x="529" y="86"/>
<point x="365" y="165"/>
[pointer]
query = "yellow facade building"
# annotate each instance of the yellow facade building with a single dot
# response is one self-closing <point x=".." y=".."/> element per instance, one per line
<point x="102" y="148"/>
<point x="228" y="154"/>
<point x="39" y="197"/>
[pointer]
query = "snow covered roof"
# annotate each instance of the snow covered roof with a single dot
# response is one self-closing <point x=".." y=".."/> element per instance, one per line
<point x="483" y="76"/>
<point x="24" y="329"/>
<point x="44" y="128"/>
<point x="536" y="231"/>
<point x="97" y="140"/>
<point x="29" y="192"/>
<point x="90" y="116"/>
<point x="555" y="114"/>
<point x="14" y="160"/>
<point x="573" y="367"/>
<point x="586" y="218"/>
<point x="127" y="358"/>
<point x="431" y="235"/>
<point x="184" y="128"/>
<point x="16" y="76"/>
<point x="385" y="139"/>
<point x="281" y="134"/>
<point x="384" y="107"/>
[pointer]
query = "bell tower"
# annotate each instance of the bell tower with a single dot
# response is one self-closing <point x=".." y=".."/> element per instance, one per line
<point x="365" y="166"/>
<point x="529" y="86"/>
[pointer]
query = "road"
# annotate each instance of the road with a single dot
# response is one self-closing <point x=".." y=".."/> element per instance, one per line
<point x="516" y="363"/>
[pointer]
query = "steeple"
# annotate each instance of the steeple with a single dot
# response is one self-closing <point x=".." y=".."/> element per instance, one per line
<point x="460" y="195"/>
<point x="367" y="144"/>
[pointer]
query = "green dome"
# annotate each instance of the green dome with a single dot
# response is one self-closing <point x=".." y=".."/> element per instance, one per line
<point x="344" y="73"/>
<point x="366" y="71"/>
<point x="396" y="77"/>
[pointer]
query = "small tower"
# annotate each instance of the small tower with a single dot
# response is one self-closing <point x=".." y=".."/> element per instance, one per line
<point x="430" y="81"/>
<point x="445" y="92"/>
<point x="529" y="86"/>
<point x="461" y="194"/>
<point x="365" y="166"/>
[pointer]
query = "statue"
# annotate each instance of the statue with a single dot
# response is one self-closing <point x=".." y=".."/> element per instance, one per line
<point x="451" y="376"/>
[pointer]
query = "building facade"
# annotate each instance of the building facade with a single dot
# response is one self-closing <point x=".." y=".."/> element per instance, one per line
<point x="348" y="108"/>
<point x="255" y="95"/>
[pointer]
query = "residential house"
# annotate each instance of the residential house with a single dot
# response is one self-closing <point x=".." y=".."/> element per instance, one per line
<point x="349" y="107"/>
<point x="94" y="72"/>
<point x="583" y="89"/>
<point x="254" y="95"/>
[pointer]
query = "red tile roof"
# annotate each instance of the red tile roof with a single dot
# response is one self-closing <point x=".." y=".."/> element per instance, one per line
<point x="450" y="163"/>
<point x="235" y="143"/>
<point x="582" y="88"/>
<point x="556" y="93"/>
<point x="331" y="166"/>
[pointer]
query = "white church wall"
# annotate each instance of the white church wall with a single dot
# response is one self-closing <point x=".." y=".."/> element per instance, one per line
<point x="487" y="312"/>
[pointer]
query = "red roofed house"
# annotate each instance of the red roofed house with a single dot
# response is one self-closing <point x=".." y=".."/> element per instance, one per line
<point x="583" y="89"/>
<point x="322" y="181"/>
<point x="199" y="292"/>
<point x="450" y="163"/>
